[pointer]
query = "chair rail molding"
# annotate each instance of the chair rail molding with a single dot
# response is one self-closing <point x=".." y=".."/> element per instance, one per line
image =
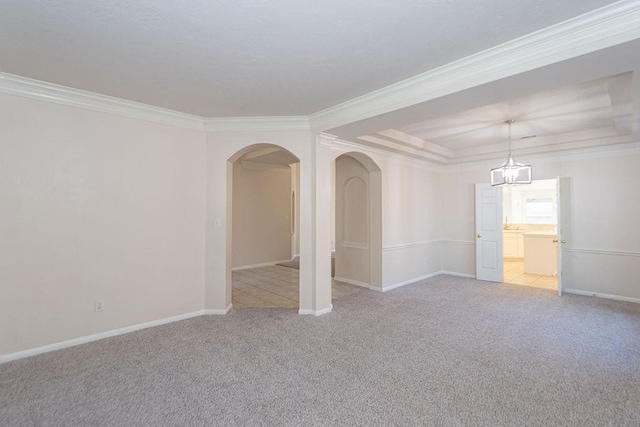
<point x="603" y="252"/>
<point x="459" y="242"/>
<point x="354" y="245"/>
<point x="411" y="245"/>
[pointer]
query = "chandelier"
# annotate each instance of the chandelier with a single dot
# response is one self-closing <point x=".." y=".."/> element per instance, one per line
<point x="511" y="172"/>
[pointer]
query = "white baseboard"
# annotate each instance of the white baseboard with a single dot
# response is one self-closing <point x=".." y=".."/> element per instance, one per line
<point x="315" y="312"/>
<point x="95" y="337"/>
<point x="408" y="282"/>
<point x="599" y="295"/>
<point x="264" y="264"/>
<point x="453" y="273"/>
<point x="352" y="282"/>
<point x="121" y="331"/>
<point x="218" y="311"/>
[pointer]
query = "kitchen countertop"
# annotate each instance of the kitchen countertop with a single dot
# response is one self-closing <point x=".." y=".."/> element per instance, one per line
<point x="540" y="233"/>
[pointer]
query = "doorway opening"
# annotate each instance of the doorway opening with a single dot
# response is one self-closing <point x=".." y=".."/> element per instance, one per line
<point x="529" y="232"/>
<point x="265" y="231"/>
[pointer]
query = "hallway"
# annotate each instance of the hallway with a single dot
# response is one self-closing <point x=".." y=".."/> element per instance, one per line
<point x="275" y="287"/>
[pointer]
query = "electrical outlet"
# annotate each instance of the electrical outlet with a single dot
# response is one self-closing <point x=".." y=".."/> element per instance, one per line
<point x="99" y="305"/>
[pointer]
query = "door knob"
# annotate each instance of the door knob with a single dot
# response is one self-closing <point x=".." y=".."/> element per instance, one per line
<point x="479" y="235"/>
<point x="555" y="240"/>
<point x="563" y="241"/>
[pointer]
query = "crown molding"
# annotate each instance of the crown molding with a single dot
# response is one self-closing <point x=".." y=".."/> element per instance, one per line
<point x="11" y="84"/>
<point x="343" y="146"/>
<point x="403" y="149"/>
<point x="582" y="153"/>
<point x="621" y="149"/>
<point x="326" y="140"/>
<point x="264" y="123"/>
<point x="602" y="28"/>
<point x="605" y="27"/>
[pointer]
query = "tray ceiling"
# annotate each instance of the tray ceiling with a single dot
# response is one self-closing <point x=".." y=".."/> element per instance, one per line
<point x="571" y="117"/>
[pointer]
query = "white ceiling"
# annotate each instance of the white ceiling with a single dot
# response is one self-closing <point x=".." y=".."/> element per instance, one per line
<point x="598" y="110"/>
<point x="256" y="57"/>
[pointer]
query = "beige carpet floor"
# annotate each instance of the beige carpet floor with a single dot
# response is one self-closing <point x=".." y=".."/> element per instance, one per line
<point x="446" y="351"/>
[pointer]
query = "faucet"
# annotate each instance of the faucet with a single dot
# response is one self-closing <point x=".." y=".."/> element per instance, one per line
<point x="506" y="223"/>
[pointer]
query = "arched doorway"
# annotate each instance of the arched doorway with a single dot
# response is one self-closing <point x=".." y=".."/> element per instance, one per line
<point x="358" y="221"/>
<point x="263" y="180"/>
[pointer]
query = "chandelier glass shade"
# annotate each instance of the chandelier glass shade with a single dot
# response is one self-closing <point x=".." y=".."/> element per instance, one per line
<point x="511" y="172"/>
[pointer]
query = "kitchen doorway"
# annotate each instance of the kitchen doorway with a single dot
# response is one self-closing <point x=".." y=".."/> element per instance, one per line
<point x="529" y="230"/>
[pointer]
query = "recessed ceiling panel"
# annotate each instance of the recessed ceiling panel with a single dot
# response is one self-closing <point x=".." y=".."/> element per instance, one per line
<point x="594" y="110"/>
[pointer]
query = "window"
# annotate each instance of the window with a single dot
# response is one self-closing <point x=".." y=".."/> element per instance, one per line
<point x="540" y="211"/>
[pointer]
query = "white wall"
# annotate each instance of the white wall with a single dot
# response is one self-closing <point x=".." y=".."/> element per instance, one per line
<point x="411" y="222"/>
<point x="261" y="215"/>
<point x="95" y="206"/>
<point x="332" y="219"/>
<point x="100" y="206"/>
<point x="295" y="185"/>
<point x="605" y="241"/>
<point x="411" y="216"/>
<point x="230" y="144"/>
<point x="352" y="224"/>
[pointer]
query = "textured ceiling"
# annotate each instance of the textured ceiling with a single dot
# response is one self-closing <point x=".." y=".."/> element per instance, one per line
<point x="255" y="57"/>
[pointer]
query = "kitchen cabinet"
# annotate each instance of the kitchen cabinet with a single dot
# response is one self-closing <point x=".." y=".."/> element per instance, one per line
<point x="540" y="253"/>
<point x="513" y="244"/>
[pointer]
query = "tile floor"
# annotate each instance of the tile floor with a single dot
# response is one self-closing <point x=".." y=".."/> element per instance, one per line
<point x="275" y="287"/>
<point x="514" y="274"/>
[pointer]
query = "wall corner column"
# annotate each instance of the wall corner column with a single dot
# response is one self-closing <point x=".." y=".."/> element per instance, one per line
<point x="219" y="175"/>
<point x="319" y="300"/>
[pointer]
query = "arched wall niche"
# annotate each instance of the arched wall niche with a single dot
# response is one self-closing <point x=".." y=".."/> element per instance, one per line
<point x="358" y="247"/>
<point x="355" y="211"/>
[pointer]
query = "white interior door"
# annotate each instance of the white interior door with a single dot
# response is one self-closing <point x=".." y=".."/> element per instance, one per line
<point x="489" y="265"/>
<point x="564" y="229"/>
